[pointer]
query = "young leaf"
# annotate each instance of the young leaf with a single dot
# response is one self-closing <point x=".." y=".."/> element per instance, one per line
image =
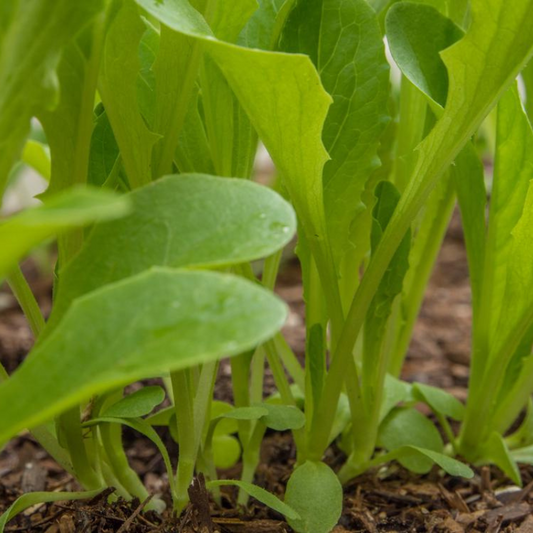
<point x="408" y="427"/>
<point x="259" y="494"/>
<point x="104" y="155"/>
<point x="226" y="451"/>
<point x="201" y="221"/>
<point x="118" y="89"/>
<point x="523" y="436"/>
<point x="315" y="493"/>
<point x="74" y="208"/>
<point x="495" y="451"/>
<point x="395" y="391"/>
<point x="143" y="326"/>
<point x="266" y="24"/>
<point x="37" y="156"/>
<point x="439" y="400"/>
<point x="137" y="404"/>
<point x="31" y="40"/>
<point x="374" y="364"/>
<point x="282" y="417"/>
<point x="416" y="34"/>
<point x="416" y="454"/>
<point x="33" y="498"/>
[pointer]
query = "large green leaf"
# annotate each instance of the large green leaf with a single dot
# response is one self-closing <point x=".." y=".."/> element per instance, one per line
<point x="74" y="208"/>
<point x="358" y="81"/>
<point x="180" y="221"/>
<point x="32" y="37"/>
<point x="416" y="33"/>
<point x="146" y="325"/>
<point x="283" y="96"/>
<point x="118" y="89"/>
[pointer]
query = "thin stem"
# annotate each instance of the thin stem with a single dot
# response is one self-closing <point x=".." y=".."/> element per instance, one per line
<point x="184" y="409"/>
<point x="27" y="301"/>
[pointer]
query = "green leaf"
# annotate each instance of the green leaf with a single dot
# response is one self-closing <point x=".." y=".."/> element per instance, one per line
<point x="230" y="17"/>
<point x="201" y="221"/>
<point x="523" y="436"/>
<point x="439" y="400"/>
<point x="374" y="364"/>
<point x="265" y="25"/>
<point x="405" y="426"/>
<point x="394" y="392"/>
<point x="358" y="81"/>
<point x="417" y="454"/>
<point x="33" y="498"/>
<point x="509" y="244"/>
<point x="246" y="413"/>
<point x="37" y="156"/>
<point x="282" y="417"/>
<point x="104" y="155"/>
<point x="315" y="493"/>
<point x="31" y="40"/>
<point x="283" y="96"/>
<point x="259" y="494"/>
<point x="226" y="451"/>
<point x="73" y="208"/>
<point x="495" y="451"/>
<point x="137" y="404"/>
<point x="161" y="320"/>
<point x="118" y="88"/>
<point x="416" y="34"/>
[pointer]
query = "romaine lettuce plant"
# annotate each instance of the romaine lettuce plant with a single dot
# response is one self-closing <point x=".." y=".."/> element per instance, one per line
<point x="152" y="111"/>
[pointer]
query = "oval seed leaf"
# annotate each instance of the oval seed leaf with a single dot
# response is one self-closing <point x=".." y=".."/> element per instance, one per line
<point x="259" y="494"/>
<point x="33" y="498"/>
<point x="76" y="207"/>
<point x="226" y="451"/>
<point x="439" y="400"/>
<point x="315" y="493"/>
<point x="282" y="417"/>
<point x="201" y="221"/>
<point x="158" y="321"/>
<point x="138" y="404"/>
<point x="408" y="427"/>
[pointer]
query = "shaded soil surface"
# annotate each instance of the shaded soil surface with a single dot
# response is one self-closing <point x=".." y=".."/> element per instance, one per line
<point x="389" y="499"/>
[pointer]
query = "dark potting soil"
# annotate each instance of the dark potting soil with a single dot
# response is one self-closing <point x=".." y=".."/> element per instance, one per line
<point x="385" y="500"/>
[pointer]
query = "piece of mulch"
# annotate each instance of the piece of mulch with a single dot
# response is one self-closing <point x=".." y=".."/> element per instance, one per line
<point x="389" y="499"/>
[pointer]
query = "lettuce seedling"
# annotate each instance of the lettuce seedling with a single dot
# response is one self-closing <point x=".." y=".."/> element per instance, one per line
<point x="183" y="92"/>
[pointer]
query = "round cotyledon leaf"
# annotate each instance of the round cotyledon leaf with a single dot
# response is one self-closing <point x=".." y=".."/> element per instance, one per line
<point x="315" y="493"/>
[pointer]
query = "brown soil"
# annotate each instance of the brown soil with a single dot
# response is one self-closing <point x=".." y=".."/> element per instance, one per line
<point x="390" y="499"/>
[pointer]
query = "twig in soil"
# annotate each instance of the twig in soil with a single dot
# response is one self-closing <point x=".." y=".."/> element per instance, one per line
<point x="128" y="523"/>
<point x="200" y="500"/>
<point x="454" y="499"/>
<point x="37" y="524"/>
